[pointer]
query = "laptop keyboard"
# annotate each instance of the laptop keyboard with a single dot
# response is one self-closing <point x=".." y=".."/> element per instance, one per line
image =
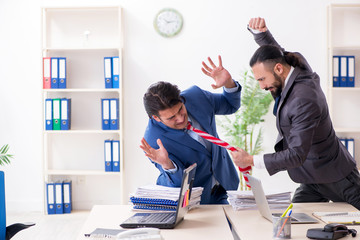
<point x="157" y="218"/>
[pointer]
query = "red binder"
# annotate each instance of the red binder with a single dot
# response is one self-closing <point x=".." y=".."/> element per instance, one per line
<point x="46" y="72"/>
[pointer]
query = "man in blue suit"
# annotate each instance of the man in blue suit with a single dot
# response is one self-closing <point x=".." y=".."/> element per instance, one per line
<point x="172" y="148"/>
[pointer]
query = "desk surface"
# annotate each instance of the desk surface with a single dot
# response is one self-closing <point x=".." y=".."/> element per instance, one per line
<point x="250" y="225"/>
<point x="206" y="222"/>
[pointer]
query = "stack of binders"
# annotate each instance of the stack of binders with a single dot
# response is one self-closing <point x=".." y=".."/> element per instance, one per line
<point x="112" y="155"/>
<point x="161" y="198"/>
<point x="343" y="71"/>
<point x="54" y="72"/>
<point x="349" y="143"/>
<point x="58" y="196"/>
<point x="57" y="114"/>
<point x="111" y="72"/>
<point x="110" y="113"/>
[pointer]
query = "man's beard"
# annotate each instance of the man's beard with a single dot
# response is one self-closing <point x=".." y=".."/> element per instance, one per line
<point x="278" y="85"/>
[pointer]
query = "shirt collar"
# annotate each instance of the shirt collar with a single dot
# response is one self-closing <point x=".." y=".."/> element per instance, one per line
<point x="288" y="76"/>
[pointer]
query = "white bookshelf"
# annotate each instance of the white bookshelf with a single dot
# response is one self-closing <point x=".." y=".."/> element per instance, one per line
<point x="344" y="102"/>
<point x="84" y="35"/>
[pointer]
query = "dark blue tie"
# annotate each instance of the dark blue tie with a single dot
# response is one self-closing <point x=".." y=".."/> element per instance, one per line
<point x="276" y="105"/>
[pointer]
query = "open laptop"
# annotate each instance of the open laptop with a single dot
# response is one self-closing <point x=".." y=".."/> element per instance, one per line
<point x="168" y="219"/>
<point x="264" y="208"/>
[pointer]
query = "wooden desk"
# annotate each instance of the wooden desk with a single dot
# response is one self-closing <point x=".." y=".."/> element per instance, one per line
<point x="206" y="222"/>
<point x="250" y="225"/>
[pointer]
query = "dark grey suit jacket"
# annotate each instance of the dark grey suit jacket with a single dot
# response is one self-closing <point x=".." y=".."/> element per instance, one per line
<point x="307" y="146"/>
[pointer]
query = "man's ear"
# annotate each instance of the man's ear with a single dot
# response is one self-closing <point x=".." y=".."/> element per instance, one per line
<point x="278" y="68"/>
<point x="156" y="118"/>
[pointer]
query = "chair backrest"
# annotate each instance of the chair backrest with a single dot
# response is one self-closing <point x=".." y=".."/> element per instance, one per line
<point x="2" y="207"/>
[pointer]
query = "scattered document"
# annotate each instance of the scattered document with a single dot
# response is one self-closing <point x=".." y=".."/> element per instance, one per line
<point x="348" y="218"/>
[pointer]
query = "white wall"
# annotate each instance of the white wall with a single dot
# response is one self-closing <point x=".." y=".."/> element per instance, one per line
<point x="210" y="28"/>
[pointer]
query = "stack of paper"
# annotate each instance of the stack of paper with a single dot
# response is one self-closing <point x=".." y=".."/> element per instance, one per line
<point x="241" y="200"/>
<point x="161" y="198"/>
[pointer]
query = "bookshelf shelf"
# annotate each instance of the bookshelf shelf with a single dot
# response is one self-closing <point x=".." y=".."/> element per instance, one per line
<point x="73" y="131"/>
<point x="84" y="36"/>
<point x="81" y="173"/>
<point x="95" y="48"/>
<point x="81" y="90"/>
<point x="344" y="101"/>
<point x="348" y="130"/>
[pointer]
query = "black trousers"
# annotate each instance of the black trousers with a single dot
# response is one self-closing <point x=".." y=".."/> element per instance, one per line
<point x="218" y="195"/>
<point x="345" y="190"/>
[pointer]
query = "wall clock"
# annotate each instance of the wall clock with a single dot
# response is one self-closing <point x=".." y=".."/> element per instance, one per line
<point x="168" y="22"/>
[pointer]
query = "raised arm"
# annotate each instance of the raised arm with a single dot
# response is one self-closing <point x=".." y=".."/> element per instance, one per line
<point x="262" y="35"/>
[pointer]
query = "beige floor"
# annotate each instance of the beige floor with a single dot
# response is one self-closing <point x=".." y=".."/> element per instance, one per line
<point x="54" y="227"/>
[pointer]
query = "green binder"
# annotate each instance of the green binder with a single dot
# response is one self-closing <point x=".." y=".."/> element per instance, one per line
<point x="56" y="114"/>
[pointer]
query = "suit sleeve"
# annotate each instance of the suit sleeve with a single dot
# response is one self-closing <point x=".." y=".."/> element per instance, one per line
<point x="304" y="118"/>
<point x="170" y="179"/>
<point x="266" y="38"/>
<point x="225" y="103"/>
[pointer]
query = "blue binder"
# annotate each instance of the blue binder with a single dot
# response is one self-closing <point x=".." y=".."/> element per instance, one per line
<point x="108" y="155"/>
<point x="114" y="113"/>
<point x="115" y="72"/>
<point x="115" y="155"/>
<point x="344" y="142"/>
<point x="350" y="144"/>
<point x="65" y="114"/>
<point x="350" y="80"/>
<point x="336" y="69"/>
<point x="343" y="71"/>
<point x="105" y="113"/>
<point x="67" y="196"/>
<point x="62" y="72"/>
<point x="50" y="198"/>
<point x="2" y="207"/>
<point x="59" y="198"/>
<point x="54" y="72"/>
<point x="48" y="114"/>
<point x="108" y="71"/>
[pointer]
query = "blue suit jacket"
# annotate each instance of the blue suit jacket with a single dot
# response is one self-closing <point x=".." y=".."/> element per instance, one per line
<point x="184" y="150"/>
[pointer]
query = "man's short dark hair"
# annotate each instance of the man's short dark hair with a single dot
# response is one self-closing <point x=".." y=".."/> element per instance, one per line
<point x="161" y="96"/>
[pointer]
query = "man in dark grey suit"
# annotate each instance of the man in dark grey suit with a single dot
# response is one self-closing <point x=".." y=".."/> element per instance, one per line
<point x="307" y="146"/>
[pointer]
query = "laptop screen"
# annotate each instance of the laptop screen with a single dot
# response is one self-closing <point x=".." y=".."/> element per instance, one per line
<point x="185" y="192"/>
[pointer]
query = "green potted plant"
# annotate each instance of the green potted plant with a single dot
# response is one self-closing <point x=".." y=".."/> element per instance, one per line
<point x="4" y="155"/>
<point x="242" y="129"/>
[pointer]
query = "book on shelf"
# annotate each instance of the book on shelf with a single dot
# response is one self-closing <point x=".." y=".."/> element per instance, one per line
<point x="349" y="144"/>
<point x="112" y="72"/>
<point x="54" y="72"/>
<point x="57" y="114"/>
<point x="343" y="71"/>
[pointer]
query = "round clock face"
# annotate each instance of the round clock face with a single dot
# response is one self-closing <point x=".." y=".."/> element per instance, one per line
<point x="168" y="22"/>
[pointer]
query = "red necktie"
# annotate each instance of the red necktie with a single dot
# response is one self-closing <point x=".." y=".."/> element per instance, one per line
<point x="221" y="143"/>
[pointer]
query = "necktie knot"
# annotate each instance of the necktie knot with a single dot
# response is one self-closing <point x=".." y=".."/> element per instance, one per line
<point x="188" y="127"/>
